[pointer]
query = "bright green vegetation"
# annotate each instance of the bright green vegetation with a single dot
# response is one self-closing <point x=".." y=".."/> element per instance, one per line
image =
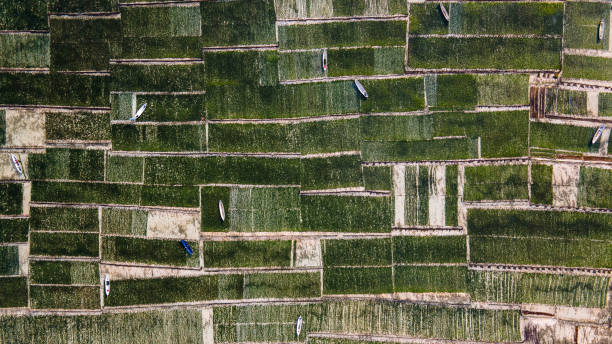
<point x="503" y="89"/>
<point x="447" y="249"/>
<point x="393" y="95"/>
<point x="356" y="280"/>
<point x="281" y="285"/>
<point x="211" y="218"/>
<point x="366" y="61"/>
<point x="587" y="67"/>
<point x="162" y="108"/>
<point x="446" y="149"/>
<point x="276" y="323"/>
<point x="236" y="67"/>
<point x="416" y="200"/>
<point x="582" y="24"/>
<point x="72" y="164"/>
<point x="24" y="50"/>
<point x="241" y="22"/>
<point x="563" y="137"/>
<point x="301" y="65"/>
<point x="502" y="134"/>
<point x="72" y="6"/>
<point x="11" y="198"/>
<point x="64" y="244"/>
<point x="349" y="8"/>
<point x="168" y="326"/>
<point x="158" y="138"/>
<point x="227" y="254"/>
<point x="541" y="251"/>
<point x="14" y="294"/>
<point x="67" y="272"/>
<point x="595" y="188"/>
<point x="124" y="168"/>
<point x="220" y="169"/>
<point x="453" y="92"/>
<point x="506" y="18"/>
<point x="356" y="252"/>
<point x="14" y="230"/>
<point x="85" y="193"/>
<point x="438" y="279"/>
<point x="541" y="187"/>
<point x="124" y="221"/>
<point x="64" y="297"/>
<point x="149" y="251"/>
<point x="158" y="77"/>
<point x="346" y="214"/>
<point x="496" y="182"/>
<point x="572" y="102"/>
<point x="162" y="21"/>
<point x="261" y="209"/>
<point x="304" y="137"/>
<point x="605" y="105"/>
<point x="64" y="219"/>
<point x="333" y="172"/>
<point x="427" y="19"/>
<point x="531" y="223"/>
<point x="170" y="196"/>
<point x="9" y="260"/>
<point x="451" y="202"/>
<point x="484" y="53"/>
<point x="555" y="289"/>
<point x="83" y="44"/>
<point x="342" y="34"/>
<point x="396" y="128"/>
<point x="377" y="178"/>
<point x="77" y="126"/>
<point x="23" y="15"/>
<point x="35" y="89"/>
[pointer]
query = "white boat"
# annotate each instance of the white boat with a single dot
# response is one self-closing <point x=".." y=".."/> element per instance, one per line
<point x="221" y="210"/>
<point x="361" y="89"/>
<point x="600" y="30"/>
<point x="324" y="60"/>
<point x="139" y="112"/>
<point x="17" y="164"/>
<point x="598" y="134"/>
<point x="107" y="285"/>
<point x="298" y="326"/>
<point x="444" y="12"/>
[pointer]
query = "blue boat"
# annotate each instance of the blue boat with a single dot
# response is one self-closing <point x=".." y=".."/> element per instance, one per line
<point x="187" y="247"/>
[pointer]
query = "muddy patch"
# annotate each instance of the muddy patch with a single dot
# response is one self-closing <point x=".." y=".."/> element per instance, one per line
<point x="25" y="128"/>
<point x="27" y="197"/>
<point x="166" y="224"/>
<point x="592" y="103"/>
<point x="399" y="193"/>
<point x="207" y="326"/>
<point x="308" y="253"/>
<point x="565" y="185"/>
<point x="136" y="272"/>
<point x="437" y="193"/>
<point x="24" y="264"/>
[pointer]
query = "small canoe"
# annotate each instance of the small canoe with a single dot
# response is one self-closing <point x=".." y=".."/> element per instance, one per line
<point x="139" y="112"/>
<point x="221" y="211"/>
<point x="298" y="326"/>
<point x="17" y="164"/>
<point x="598" y="134"/>
<point x="324" y="60"/>
<point x="107" y="285"/>
<point x="444" y="12"/>
<point x="187" y="247"/>
<point x="600" y="30"/>
<point x="361" y="89"/>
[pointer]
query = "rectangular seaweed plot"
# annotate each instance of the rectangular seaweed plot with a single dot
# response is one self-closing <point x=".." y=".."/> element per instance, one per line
<point x="64" y="219"/>
<point x="158" y="138"/>
<point x="582" y="25"/>
<point x="64" y="272"/>
<point x="159" y="77"/>
<point x="484" y="53"/>
<point x="541" y="184"/>
<point x="73" y="192"/>
<point x="9" y="260"/>
<point x="11" y="198"/>
<point x="417" y="185"/>
<point x="72" y="6"/>
<point x="447" y="249"/>
<point x="124" y="168"/>
<point x="563" y="137"/>
<point x="71" y="164"/>
<point x="451" y="92"/>
<point x="263" y="209"/>
<point x="357" y="280"/>
<point x="171" y="108"/>
<point x="24" y="15"/>
<point x="366" y="61"/>
<point x="396" y="128"/>
<point x="14" y="230"/>
<point x="14" y="294"/>
<point x="444" y="149"/>
<point x="124" y="221"/>
<point x="595" y="188"/>
<point x="553" y="289"/>
<point x="250" y="253"/>
<point x="503" y="89"/>
<point x="24" y="50"/>
<point x="451" y="199"/>
<point x="497" y="182"/>
<point x="255" y="138"/>
<point x="149" y="251"/>
<point x="605" y="105"/>
<point x="587" y="67"/>
<point x="50" y="297"/>
<point x="357" y="252"/>
<point x="64" y="244"/>
<point x="242" y="22"/>
<point x="428" y="279"/>
<point x="346" y="214"/>
<point x="85" y="126"/>
<point x="257" y="68"/>
<point x="392" y="95"/>
<point x="342" y="34"/>
<point x="377" y="178"/>
<point x="282" y="285"/>
<point x="331" y="173"/>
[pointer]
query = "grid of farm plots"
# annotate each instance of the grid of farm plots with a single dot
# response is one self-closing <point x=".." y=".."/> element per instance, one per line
<point x="462" y="200"/>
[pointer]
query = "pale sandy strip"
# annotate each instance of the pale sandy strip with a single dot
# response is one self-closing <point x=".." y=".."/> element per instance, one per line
<point x="176" y="60"/>
<point x="81" y="16"/>
<point x="588" y="52"/>
<point x="168" y="3"/>
<point x="311" y="21"/>
<point x="479" y="35"/>
<point x="278" y="155"/>
<point x="295" y="120"/>
<point x="345" y="78"/>
<point x="289" y="51"/>
<point x="540" y="269"/>
<point x="502" y="108"/>
<point x="329" y="155"/>
<point x="115" y="206"/>
<point x="346" y="192"/>
<point x="260" y="47"/>
<point x="600" y="83"/>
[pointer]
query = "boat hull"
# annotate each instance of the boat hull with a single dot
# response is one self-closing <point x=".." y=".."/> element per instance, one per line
<point x="139" y="112"/>
<point x="221" y="211"/>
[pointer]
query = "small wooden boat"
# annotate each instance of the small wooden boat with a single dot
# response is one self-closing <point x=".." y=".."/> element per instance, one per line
<point x="107" y="285"/>
<point x="324" y="60"/>
<point x="444" y="12"/>
<point x="298" y="326"/>
<point x="17" y="164"/>
<point x="598" y="134"/>
<point x="187" y="247"/>
<point x="600" y="30"/>
<point x="139" y="112"/>
<point x="361" y="89"/>
<point x="221" y="211"/>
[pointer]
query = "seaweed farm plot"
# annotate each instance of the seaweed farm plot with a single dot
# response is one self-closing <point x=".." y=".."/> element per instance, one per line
<point x="305" y="171"/>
